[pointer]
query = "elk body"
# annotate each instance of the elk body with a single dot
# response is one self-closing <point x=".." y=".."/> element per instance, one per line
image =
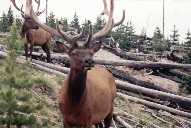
<point x="87" y="96"/>
<point x="35" y="36"/>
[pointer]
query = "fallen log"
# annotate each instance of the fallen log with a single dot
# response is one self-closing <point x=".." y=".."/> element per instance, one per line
<point x="132" y="56"/>
<point x="143" y="64"/>
<point x="122" y="122"/>
<point x="180" y="100"/>
<point x="121" y="85"/>
<point x="179" y="73"/>
<point x="172" y="56"/>
<point x="120" y="75"/>
<point x="48" y="70"/>
<point x="36" y="65"/>
<point x="155" y="105"/>
<point x="52" y="66"/>
<point x="128" y="77"/>
<point x="59" y="58"/>
<point x="134" y="88"/>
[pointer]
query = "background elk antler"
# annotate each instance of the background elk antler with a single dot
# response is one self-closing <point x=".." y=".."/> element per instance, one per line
<point x="27" y="10"/>
<point x="106" y="12"/>
<point x="71" y="39"/>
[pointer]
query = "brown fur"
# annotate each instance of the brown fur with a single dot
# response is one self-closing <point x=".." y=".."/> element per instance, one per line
<point x="95" y="105"/>
<point x="38" y="37"/>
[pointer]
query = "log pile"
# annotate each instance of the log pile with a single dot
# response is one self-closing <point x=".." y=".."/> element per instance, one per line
<point x="130" y="88"/>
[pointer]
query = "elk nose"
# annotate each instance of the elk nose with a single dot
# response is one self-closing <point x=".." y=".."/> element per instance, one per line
<point x="89" y="62"/>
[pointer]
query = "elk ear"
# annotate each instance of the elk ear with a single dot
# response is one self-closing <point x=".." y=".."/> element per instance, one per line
<point x="96" y="47"/>
<point x="62" y="47"/>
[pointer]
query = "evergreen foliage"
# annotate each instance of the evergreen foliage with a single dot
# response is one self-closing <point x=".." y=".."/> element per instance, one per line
<point x="6" y="21"/>
<point x="124" y="34"/>
<point x="157" y="41"/>
<point x="188" y="39"/>
<point x="75" y="23"/>
<point x="4" y="27"/>
<point x="64" y="22"/>
<point x="51" y="20"/>
<point x="99" y="24"/>
<point x="15" y="98"/>
<point x="18" y="23"/>
<point x="10" y="18"/>
<point x="174" y="38"/>
<point x="86" y="27"/>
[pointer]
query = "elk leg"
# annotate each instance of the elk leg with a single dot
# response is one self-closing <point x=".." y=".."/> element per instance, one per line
<point x="108" y="119"/>
<point x="31" y="49"/>
<point x="26" y="50"/>
<point x="46" y="49"/>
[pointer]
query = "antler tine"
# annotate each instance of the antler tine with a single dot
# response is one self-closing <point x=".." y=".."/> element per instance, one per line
<point x="121" y="21"/>
<point x="52" y="31"/>
<point x="109" y="25"/>
<point x="78" y="36"/>
<point x="38" y="2"/>
<point x="89" y="36"/>
<point x="105" y="11"/>
<point x="15" y="5"/>
<point x="38" y="13"/>
<point x="64" y="35"/>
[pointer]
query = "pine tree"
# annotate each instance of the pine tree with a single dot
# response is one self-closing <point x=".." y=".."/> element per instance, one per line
<point x="174" y="37"/>
<point x="188" y="39"/>
<point x="86" y="26"/>
<point x="52" y="20"/>
<point x="4" y="23"/>
<point x="18" y="23"/>
<point x="99" y="24"/>
<point x="10" y="18"/>
<point x="75" y="23"/>
<point x="130" y="33"/>
<point x="15" y="99"/>
<point x="64" y="22"/>
<point x="157" y="41"/>
<point x="121" y="36"/>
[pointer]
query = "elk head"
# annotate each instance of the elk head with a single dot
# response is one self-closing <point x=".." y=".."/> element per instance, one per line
<point x="80" y="51"/>
<point x="28" y="21"/>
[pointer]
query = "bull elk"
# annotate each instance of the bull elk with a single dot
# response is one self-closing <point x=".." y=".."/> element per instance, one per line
<point x="35" y="35"/>
<point x="87" y="95"/>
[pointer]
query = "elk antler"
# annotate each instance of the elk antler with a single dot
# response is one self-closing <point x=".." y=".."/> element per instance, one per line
<point x="53" y="31"/>
<point x="38" y="13"/>
<point x="106" y="29"/>
<point x="19" y="9"/>
<point x="108" y="26"/>
<point x="105" y="11"/>
<point x="121" y="21"/>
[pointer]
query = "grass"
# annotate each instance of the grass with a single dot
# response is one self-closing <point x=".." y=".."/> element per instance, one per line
<point x="43" y="90"/>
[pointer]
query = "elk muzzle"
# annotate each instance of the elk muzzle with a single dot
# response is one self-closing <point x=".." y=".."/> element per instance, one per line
<point x="89" y="63"/>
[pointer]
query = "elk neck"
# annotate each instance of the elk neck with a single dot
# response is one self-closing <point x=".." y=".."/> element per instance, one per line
<point x="77" y="85"/>
<point x="24" y="31"/>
